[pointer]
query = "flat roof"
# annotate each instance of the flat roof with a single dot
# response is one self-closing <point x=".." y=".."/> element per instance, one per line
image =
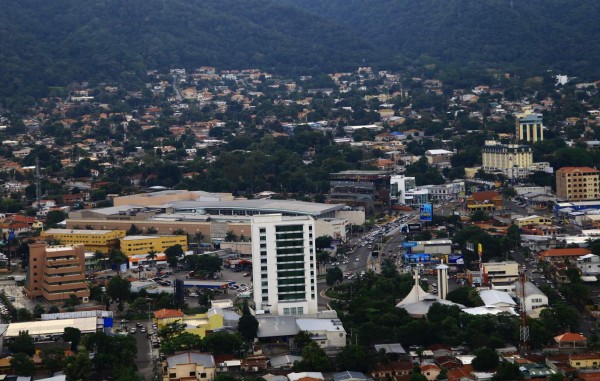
<point x="329" y="325"/>
<point x="76" y="231"/>
<point x="52" y="327"/>
<point x="265" y="205"/>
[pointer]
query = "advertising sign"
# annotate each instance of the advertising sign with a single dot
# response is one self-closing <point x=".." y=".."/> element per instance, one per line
<point x="417" y="258"/>
<point x="426" y="212"/>
<point x="409" y="244"/>
<point x="456" y="259"/>
<point x="414" y="227"/>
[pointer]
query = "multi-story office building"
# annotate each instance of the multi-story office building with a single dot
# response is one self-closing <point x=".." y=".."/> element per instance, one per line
<point x="93" y="240"/>
<point x="143" y="244"/>
<point x="284" y="264"/>
<point x="530" y="127"/>
<point x="399" y="185"/>
<point x="367" y="189"/>
<point x="577" y="183"/>
<point x="508" y="159"/>
<point x="56" y="272"/>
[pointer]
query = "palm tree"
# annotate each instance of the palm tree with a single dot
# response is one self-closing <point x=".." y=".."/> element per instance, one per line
<point x="152" y="257"/>
<point x="198" y="237"/>
<point x="230" y="236"/>
<point x="117" y="257"/>
<point x="99" y="258"/>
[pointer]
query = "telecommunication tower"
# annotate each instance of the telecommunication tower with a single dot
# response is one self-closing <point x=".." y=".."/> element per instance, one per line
<point x="524" y="327"/>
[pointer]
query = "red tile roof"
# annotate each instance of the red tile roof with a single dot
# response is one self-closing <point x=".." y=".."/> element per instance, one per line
<point x="575" y="251"/>
<point x="487" y="195"/>
<point x="165" y="313"/>
<point x="569" y="337"/>
<point x="578" y="169"/>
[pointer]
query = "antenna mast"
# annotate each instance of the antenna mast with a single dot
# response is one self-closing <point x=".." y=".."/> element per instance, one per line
<point x="38" y="187"/>
<point x="524" y="328"/>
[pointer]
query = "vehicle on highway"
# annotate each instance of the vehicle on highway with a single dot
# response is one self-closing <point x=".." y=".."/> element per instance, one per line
<point x="132" y="330"/>
<point x="357" y="259"/>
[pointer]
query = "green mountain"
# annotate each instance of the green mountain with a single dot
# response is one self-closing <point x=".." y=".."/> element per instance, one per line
<point x="51" y="43"/>
<point x="538" y="34"/>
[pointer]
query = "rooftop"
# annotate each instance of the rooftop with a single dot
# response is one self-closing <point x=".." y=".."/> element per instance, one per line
<point x="205" y="359"/>
<point x="76" y="231"/>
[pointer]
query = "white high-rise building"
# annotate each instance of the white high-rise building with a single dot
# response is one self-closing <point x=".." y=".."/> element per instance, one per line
<point x="284" y="264"/>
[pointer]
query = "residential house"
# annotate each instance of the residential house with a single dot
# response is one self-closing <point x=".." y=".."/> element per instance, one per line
<point x="188" y="366"/>
<point x="560" y="255"/>
<point x="431" y="371"/>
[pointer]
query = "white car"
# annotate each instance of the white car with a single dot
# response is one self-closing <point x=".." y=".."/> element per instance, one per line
<point x="193" y="294"/>
<point x="357" y="259"/>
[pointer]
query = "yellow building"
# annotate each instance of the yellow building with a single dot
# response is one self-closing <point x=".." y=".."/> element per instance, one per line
<point x="143" y="244"/>
<point x="578" y="183"/>
<point x="92" y="240"/>
<point x="506" y="158"/>
<point x="584" y="361"/>
<point x="532" y="220"/>
<point x="198" y="324"/>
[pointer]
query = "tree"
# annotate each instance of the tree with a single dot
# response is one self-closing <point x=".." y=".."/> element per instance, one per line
<point x="38" y="310"/>
<point x="204" y="263"/>
<point x="73" y="301"/>
<point x="353" y="358"/>
<point x="100" y="258"/>
<point x="313" y="359"/>
<point x="247" y="325"/>
<point x="173" y="254"/>
<point x="152" y="257"/>
<point x="223" y="343"/>
<point x="77" y="367"/>
<point x="133" y="230"/>
<point x="185" y="341"/>
<point x="230" y="236"/>
<point x="52" y="359"/>
<point x="486" y="359"/>
<point x="118" y="289"/>
<point x="301" y="340"/>
<point x="22" y="365"/>
<point x="334" y="275"/>
<point x="23" y="343"/>
<point x="54" y="217"/>
<point x="323" y="242"/>
<point x="117" y="257"/>
<point x="507" y="371"/>
<point x="73" y="336"/>
<point x="171" y="330"/>
<point x="23" y="314"/>
<point x="151" y="230"/>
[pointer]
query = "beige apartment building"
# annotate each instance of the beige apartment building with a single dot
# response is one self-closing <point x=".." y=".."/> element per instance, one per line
<point x="506" y="158"/>
<point x="577" y="183"/>
<point x="56" y="272"/>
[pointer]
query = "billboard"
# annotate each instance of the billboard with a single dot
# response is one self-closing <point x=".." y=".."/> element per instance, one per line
<point x="426" y="212"/>
<point x="409" y="244"/>
<point x="456" y="259"/>
<point x="417" y="258"/>
<point x="414" y="227"/>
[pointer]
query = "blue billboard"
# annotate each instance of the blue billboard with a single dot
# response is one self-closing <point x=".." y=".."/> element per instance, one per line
<point x="426" y="212"/>
<point x="409" y="244"/>
<point x="417" y="258"/>
<point x="456" y="259"/>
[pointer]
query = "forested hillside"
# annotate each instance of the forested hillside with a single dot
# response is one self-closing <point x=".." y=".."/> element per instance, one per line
<point x="530" y="34"/>
<point x="51" y="43"/>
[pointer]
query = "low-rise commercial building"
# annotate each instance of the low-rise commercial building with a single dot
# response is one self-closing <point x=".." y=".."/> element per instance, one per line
<point x="92" y="240"/>
<point x="143" y="244"/>
<point x="532" y="220"/>
<point x="534" y="297"/>
<point x="500" y="272"/>
<point x="56" y="272"/>
<point x="486" y="201"/>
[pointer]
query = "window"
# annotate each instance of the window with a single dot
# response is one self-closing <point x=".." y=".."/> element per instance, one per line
<point x="202" y="375"/>
<point x="192" y="374"/>
<point x="172" y="375"/>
